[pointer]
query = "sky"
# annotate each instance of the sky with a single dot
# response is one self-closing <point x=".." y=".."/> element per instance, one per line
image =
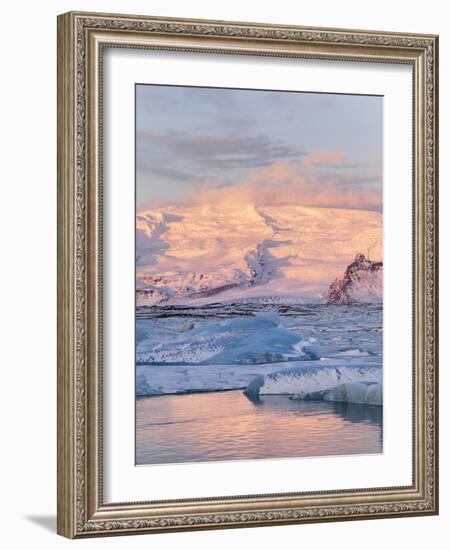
<point x="227" y="146"/>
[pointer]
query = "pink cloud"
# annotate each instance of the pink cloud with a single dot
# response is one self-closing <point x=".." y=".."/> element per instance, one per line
<point x="328" y="158"/>
<point x="294" y="182"/>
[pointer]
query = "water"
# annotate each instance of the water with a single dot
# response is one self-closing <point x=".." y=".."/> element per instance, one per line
<point x="186" y="354"/>
<point x="228" y="426"/>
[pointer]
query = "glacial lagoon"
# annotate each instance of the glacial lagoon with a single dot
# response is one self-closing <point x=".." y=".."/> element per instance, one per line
<point x="193" y="365"/>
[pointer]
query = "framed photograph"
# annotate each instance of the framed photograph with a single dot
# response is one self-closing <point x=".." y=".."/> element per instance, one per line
<point x="247" y="287"/>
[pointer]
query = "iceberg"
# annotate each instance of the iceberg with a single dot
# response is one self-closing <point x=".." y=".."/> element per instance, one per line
<point x="251" y="340"/>
<point x="153" y="380"/>
<point x="361" y="393"/>
<point x="302" y="381"/>
<point x="357" y="392"/>
<point x="268" y="348"/>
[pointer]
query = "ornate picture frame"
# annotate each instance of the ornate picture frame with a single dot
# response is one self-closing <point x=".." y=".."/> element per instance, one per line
<point x="82" y="39"/>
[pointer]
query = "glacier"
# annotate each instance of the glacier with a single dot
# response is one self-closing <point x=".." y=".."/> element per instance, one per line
<point x="202" y="254"/>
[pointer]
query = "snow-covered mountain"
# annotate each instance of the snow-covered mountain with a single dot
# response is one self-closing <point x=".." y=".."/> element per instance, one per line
<point x="203" y="254"/>
<point x="362" y="282"/>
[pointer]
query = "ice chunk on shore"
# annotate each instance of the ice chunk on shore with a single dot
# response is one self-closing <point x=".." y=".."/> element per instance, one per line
<point x="301" y="381"/>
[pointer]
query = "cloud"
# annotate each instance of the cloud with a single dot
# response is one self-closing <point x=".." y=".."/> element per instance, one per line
<point x="166" y="171"/>
<point x="324" y="158"/>
<point x="297" y="182"/>
<point x="207" y="152"/>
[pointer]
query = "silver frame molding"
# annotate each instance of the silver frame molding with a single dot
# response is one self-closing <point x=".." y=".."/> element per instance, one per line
<point x="81" y="39"/>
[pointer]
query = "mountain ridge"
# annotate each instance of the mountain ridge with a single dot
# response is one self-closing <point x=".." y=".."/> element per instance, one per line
<point x="362" y="281"/>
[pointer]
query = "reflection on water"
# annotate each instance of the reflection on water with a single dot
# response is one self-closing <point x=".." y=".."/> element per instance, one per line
<point x="352" y="412"/>
<point x="228" y="426"/>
